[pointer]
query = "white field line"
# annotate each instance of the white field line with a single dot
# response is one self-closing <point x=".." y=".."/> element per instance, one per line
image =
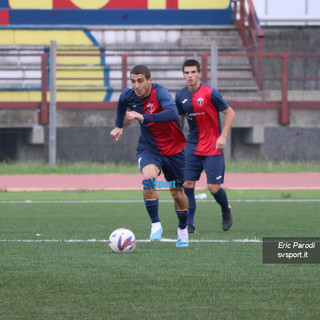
<point x="142" y="201"/>
<point x="142" y="240"/>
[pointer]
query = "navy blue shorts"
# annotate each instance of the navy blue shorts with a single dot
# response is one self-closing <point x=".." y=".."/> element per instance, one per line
<point x="172" y="167"/>
<point x="213" y="165"/>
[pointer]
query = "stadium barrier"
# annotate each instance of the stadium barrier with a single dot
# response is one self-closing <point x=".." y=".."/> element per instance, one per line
<point x="283" y="68"/>
<point x="251" y="34"/>
<point x="290" y="82"/>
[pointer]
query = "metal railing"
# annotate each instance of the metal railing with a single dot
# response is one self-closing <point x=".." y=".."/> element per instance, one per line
<point x="251" y="34"/>
<point x="283" y="105"/>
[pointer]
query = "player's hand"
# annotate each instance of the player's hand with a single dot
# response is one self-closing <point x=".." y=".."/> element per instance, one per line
<point x="221" y="142"/>
<point x="131" y="115"/>
<point x="116" y="133"/>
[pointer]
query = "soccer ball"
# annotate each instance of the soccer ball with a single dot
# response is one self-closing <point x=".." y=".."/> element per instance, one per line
<point x="122" y="241"/>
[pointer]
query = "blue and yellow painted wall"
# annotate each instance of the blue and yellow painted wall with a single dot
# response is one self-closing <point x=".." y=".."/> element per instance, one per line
<point x="37" y="22"/>
<point x="115" y="12"/>
<point x="72" y="67"/>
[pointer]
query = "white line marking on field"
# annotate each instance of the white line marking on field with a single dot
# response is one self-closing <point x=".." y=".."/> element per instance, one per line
<point x="142" y="201"/>
<point x="207" y="241"/>
<point x="142" y="240"/>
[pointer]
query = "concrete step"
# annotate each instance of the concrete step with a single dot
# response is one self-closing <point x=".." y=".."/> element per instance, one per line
<point x="171" y="77"/>
<point x="161" y="36"/>
<point x="189" y="41"/>
<point x="232" y="93"/>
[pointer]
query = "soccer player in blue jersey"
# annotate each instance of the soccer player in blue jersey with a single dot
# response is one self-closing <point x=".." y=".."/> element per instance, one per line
<point x="201" y="105"/>
<point x="160" y="146"/>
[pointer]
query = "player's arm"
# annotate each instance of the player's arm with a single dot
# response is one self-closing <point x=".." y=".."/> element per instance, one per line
<point x="163" y="116"/>
<point x="221" y="105"/>
<point x="121" y="109"/>
<point x="116" y="133"/>
<point x="169" y="113"/>
<point x="131" y="115"/>
<point x="230" y="116"/>
<point x="182" y="117"/>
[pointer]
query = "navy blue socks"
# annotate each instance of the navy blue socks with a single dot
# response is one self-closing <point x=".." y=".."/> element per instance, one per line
<point x="152" y="208"/>
<point x="221" y="198"/>
<point x="192" y="205"/>
<point x="182" y="216"/>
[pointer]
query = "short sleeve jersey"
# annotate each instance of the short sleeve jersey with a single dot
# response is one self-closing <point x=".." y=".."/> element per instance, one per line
<point x="202" y="109"/>
<point x="160" y="131"/>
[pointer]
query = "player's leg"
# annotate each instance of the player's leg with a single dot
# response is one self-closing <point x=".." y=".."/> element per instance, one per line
<point x="214" y="166"/>
<point x="173" y="169"/>
<point x="221" y="197"/>
<point x="180" y="199"/>
<point x="181" y="208"/>
<point x="189" y="187"/>
<point x="180" y="205"/>
<point x="150" y="172"/>
<point x="192" y="172"/>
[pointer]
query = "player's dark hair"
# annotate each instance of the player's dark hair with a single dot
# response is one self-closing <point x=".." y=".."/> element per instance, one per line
<point x="141" y="69"/>
<point x="191" y="63"/>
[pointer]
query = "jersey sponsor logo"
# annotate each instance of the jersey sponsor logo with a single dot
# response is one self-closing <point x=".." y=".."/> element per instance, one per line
<point x="195" y="114"/>
<point x="150" y="106"/>
<point x="185" y="100"/>
<point x="200" y="102"/>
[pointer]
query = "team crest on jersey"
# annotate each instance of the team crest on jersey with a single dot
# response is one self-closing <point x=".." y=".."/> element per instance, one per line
<point x="150" y="107"/>
<point x="200" y="102"/>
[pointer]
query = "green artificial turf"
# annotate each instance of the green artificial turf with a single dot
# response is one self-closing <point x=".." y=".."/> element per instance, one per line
<point x="56" y="264"/>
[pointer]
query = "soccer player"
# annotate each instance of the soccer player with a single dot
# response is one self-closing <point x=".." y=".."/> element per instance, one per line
<point x="160" y="146"/>
<point x="201" y="105"/>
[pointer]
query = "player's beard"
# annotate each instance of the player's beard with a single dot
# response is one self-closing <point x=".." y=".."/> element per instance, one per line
<point x="138" y="92"/>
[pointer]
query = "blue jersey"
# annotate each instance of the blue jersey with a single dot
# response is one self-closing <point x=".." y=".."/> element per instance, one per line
<point x="160" y="131"/>
<point x="202" y="109"/>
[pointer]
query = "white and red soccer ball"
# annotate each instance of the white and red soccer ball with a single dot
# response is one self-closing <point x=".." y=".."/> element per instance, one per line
<point x="122" y="241"/>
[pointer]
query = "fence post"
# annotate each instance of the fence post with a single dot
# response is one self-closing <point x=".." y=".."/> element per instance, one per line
<point x="204" y="68"/>
<point x="124" y="70"/>
<point x="242" y="26"/>
<point x="214" y="64"/>
<point x="43" y="116"/>
<point x="284" y="114"/>
<point x="260" y="67"/>
<point x="53" y="104"/>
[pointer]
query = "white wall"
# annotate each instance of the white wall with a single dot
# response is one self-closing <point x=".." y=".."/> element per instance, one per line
<point x="288" y="12"/>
